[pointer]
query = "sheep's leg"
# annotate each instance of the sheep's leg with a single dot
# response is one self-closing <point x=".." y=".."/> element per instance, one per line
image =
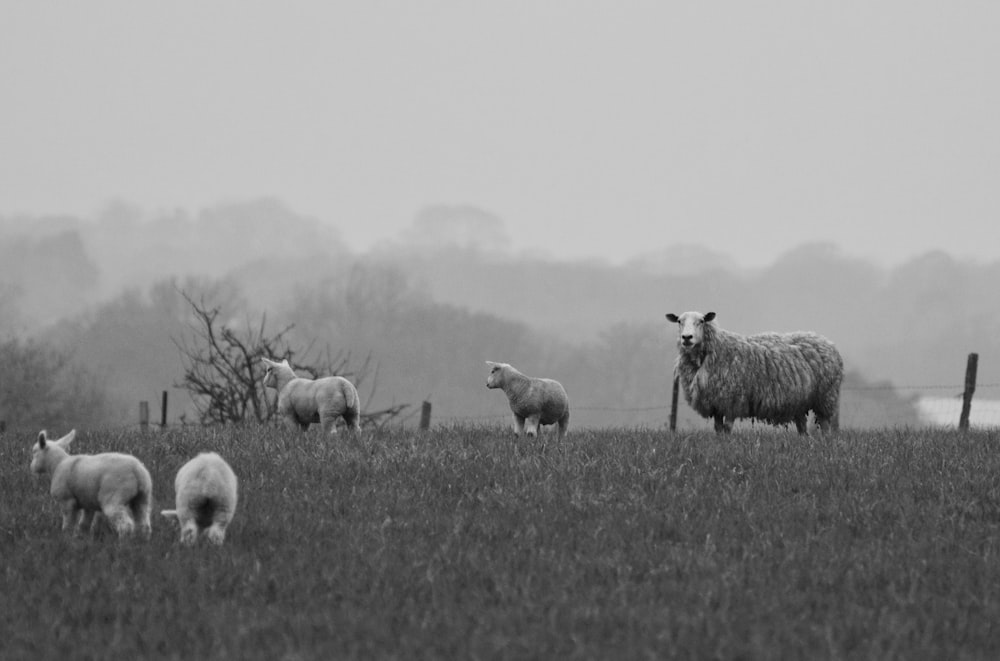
<point x="87" y="522"/>
<point x="328" y="420"/>
<point x="292" y="423"/>
<point x="802" y="425"/>
<point x="353" y="419"/>
<point x="563" y="424"/>
<point x="827" y="423"/>
<point x="142" y="513"/>
<point x="70" y="511"/>
<point x="189" y="532"/>
<point x="531" y="429"/>
<point x="120" y="518"/>
<point x="518" y="425"/>
<point x="216" y="532"/>
<point x="721" y="426"/>
<point x="95" y="527"/>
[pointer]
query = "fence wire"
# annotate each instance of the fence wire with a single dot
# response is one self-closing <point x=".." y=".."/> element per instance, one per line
<point x="937" y="410"/>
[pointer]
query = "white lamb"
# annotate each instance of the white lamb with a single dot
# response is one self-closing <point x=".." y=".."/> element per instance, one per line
<point x="206" y="498"/>
<point x="113" y="484"/>
<point x="533" y="401"/>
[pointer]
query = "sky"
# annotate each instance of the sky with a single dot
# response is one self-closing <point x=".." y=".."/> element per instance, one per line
<point x="591" y="129"/>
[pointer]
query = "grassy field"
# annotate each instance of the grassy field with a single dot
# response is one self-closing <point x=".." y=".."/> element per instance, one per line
<point x="464" y="543"/>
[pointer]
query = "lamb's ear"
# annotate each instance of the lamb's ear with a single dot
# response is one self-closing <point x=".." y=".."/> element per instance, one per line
<point x="267" y="361"/>
<point x="67" y="439"/>
<point x="42" y="438"/>
<point x="491" y="363"/>
<point x="709" y="316"/>
<point x="673" y="318"/>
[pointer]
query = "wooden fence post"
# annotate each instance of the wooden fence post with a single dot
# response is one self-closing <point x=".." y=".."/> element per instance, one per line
<point x="673" y="405"/>
<point x="163" y="411"/>
<point x="144" y="416"/>
<point x="425" y="416"/>
<point x="970" y="388"/>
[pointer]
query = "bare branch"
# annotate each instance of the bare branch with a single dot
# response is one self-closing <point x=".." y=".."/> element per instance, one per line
<point x="222" y="368"/>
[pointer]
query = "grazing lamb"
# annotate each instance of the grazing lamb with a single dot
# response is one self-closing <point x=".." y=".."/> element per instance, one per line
<point x="772" y="377"/>
<point x="302" y="401"/>
<point x="206" y="498"/>
<point x="532" y="400"/>
<point x="113" y="484"/>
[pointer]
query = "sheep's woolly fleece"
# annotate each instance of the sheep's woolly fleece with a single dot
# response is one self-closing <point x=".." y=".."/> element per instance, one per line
<point x="533" y="401"/>
<point x="303" y="401"/>
<point x="772" y="377"/>
<point x="111" y="484"/>
<point x="206" y="497"/>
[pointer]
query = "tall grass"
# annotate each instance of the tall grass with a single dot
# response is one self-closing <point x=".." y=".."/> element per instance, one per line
<point x="466" y="543"/>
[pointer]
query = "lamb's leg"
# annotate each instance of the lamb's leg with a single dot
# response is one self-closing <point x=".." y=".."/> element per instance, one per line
<point x="142" y="512"/>
<point x="95" y="527"/>
<point x="353" y="419"/>
<point x="87" y="522"/>
<point x="518" y="425"/>
<point x="532" y="427"/>
<point x="189" y="532"/>
<point x="328" y="420"/>
<point x="120" y="518"/>
<point x="720" y="425"/>
<point x="70" y="511"/>
<point x="292" y="423"/>
<point x="802" y="424"/>
<point x="216" y="532"/>
<point x="563" y="424"/>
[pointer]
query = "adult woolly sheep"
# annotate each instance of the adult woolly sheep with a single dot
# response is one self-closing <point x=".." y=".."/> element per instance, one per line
<point x="303" y="401"/>
<point x="206" y="497"/>
<point x="533" y="401"/>
<point x="113" y="484"/>
<point x="773" y="377"/>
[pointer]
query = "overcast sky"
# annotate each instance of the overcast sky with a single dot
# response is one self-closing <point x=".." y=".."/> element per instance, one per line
<point x="590" y="128"/>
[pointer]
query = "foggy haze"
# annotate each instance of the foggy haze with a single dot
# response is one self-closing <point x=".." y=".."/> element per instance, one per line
<point x="593" y="130"/>
<point x="911" y="325"/>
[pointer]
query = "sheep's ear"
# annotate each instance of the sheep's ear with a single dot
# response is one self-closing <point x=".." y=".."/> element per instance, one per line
<point x="285" y="363"/>
<point x="673" y="318"/>
<point x="491" y="363"/>
<point x="169" y="514"/>
<point x="42" y="438"/>
<point x="709" y="316"/>
<point x="67" y="439"/>
<point x="267" y="362"/>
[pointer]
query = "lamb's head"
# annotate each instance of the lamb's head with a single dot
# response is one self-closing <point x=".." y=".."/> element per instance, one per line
<point x="690" y="328"/>
<point x="270" y="367"/>
<point x="45" y="452"/>
<point x="498" y="374"/>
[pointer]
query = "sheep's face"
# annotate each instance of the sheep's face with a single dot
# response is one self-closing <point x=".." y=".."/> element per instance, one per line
<point x="496" y="377"/>
<point x="38" y="455"/>
<point x="44" y="447"/>
<point x="270" y="372"/>
<point x="690" y="328"/>
<point x="270" y="380"/>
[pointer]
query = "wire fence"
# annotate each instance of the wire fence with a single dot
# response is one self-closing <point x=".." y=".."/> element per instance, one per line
<point x="935" y="405"/>
<point x="932" y="404"/>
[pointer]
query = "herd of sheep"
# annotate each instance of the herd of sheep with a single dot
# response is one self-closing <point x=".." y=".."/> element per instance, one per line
<point x="770" y="377"/>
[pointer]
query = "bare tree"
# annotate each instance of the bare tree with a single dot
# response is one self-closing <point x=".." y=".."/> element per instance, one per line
<point x="222" y="368"/>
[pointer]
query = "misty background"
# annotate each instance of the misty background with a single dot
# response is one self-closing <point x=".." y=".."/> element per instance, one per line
<point x="432" y="304"/>
<point x="441" y="183"/>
